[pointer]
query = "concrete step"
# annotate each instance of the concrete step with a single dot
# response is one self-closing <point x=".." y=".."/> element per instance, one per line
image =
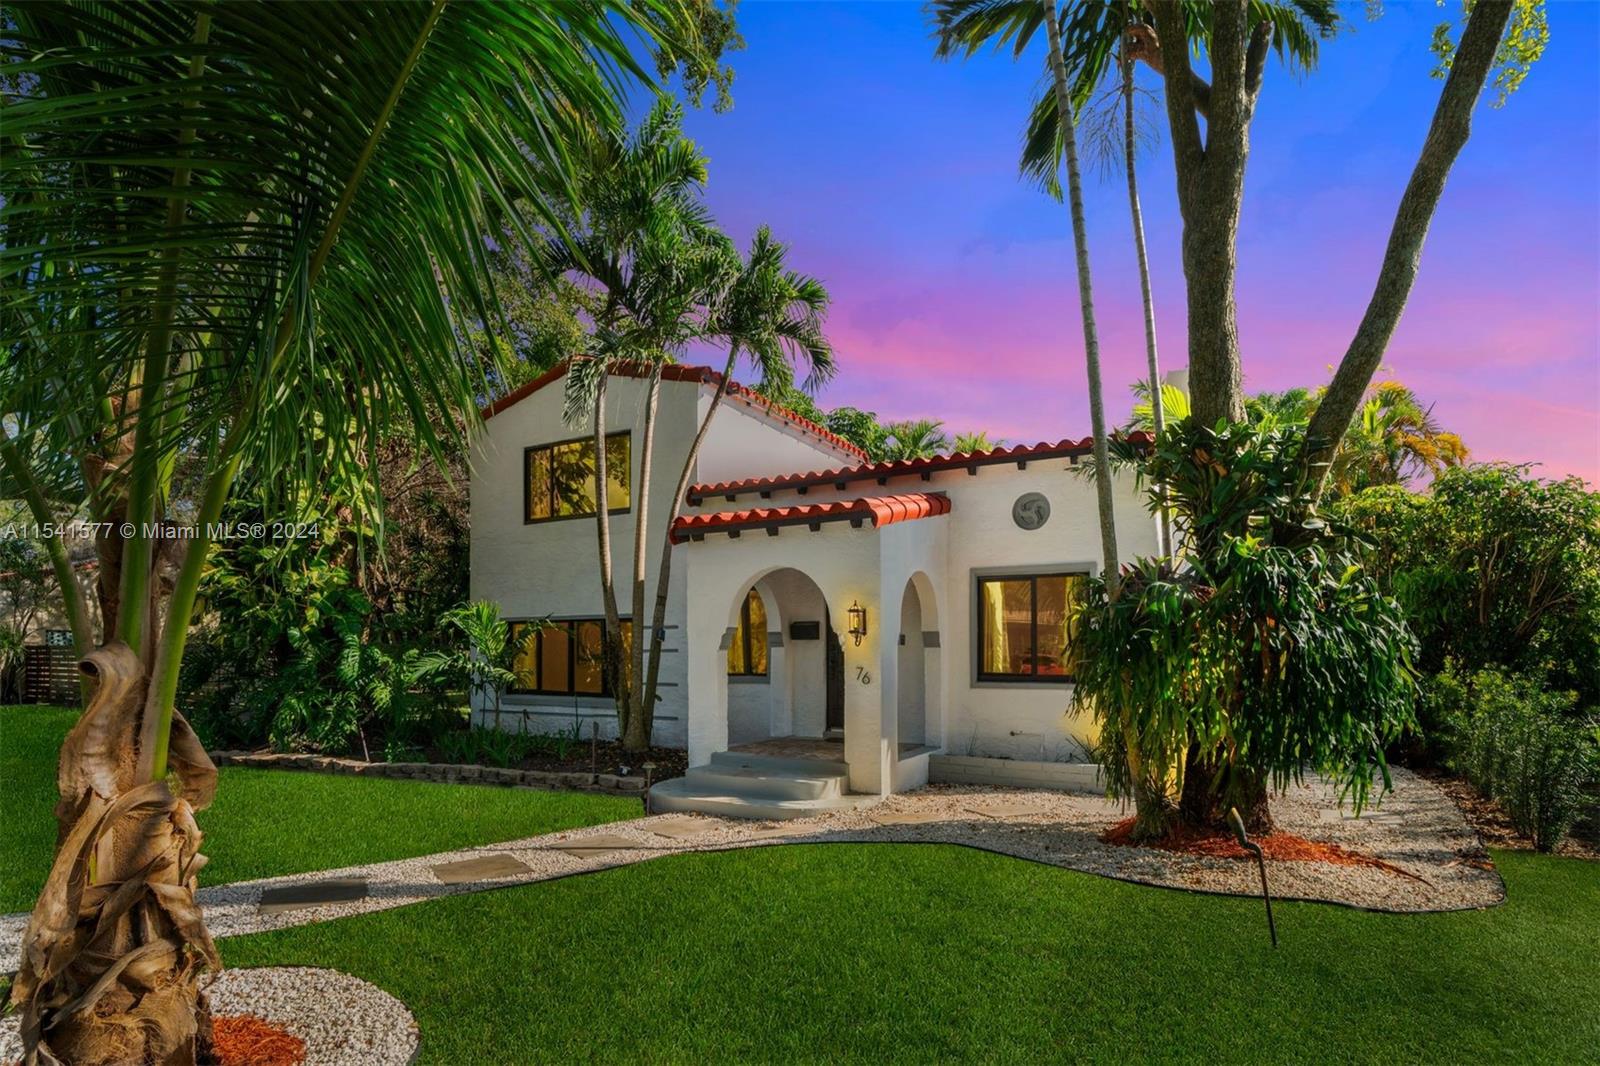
<point x="774" y="764"/>
<point x="681" y="794"/>
<point x="766" y="781"/>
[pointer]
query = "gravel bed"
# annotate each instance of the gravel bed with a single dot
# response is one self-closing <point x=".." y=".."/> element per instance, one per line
<point x="1416" y="828"/>
<point x="343" y="1020"/>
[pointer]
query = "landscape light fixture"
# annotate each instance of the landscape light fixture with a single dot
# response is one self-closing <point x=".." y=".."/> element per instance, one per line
<point x="1261" y="861"/>
<point x="858" y="621"/>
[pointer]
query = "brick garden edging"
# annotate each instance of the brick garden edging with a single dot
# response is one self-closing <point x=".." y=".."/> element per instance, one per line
<point x="446" y="773"/>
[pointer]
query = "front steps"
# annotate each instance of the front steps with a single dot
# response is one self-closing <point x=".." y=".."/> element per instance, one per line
<point x="739" y="785"/>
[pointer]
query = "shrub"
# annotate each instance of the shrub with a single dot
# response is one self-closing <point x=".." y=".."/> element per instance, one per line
<point x="1521" y="743"/>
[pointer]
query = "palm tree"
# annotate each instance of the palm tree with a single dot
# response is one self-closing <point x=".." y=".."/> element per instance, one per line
<point x="916" y="439"/>
<point x="774" y="315"/>
<point x="645" y="246"/>
<point x="1393" y="440"/>
<point x="973" y="442"/>
<point x="964" y="26"/>
<point x="245" y="227"/>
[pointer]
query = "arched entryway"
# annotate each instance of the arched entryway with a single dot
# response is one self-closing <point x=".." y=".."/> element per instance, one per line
<point x="784" y="663"/>
<point x="919" y="722"/>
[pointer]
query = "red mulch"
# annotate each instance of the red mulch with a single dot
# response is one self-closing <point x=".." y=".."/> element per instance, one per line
<point x="245" y="1040"/>
<point x="1280" y="847"/>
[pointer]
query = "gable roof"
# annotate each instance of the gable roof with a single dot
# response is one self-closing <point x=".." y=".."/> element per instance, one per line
<point x="702" y="374"/>
<point x="875" y="510"/>
<point x="1020" y="454"/>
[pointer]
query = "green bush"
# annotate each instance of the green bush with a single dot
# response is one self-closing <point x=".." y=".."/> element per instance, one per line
<point x="1521" y="743"/>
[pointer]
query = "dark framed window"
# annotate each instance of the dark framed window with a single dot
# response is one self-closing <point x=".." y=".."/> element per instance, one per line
<point x="558" y="479"/>
<point x="747" y="655"/>
<point x="563" y="658"/>
<point x="1025" y="624"/>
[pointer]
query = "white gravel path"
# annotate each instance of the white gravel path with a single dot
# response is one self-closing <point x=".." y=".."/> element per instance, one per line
<point x="343" y="1020"/>
<point x="1416" y="828"/>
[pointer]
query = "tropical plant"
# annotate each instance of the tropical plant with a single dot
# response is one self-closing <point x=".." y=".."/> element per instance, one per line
<point x="1393" y="441"/>
<point x="1495" y="568"/>
<point x="645" y="248"/>
<point x="860" y="428"/>
<point x="240" y="223"/>
<point x="487" y="664"/>
<point x="1268" y="651"/>
<point x="774" y="316"/>
<point x="12" y="657"/>
<point x="1523" y="744"/>
<point x="973" y="442"/>
<point x="915" y="439"/>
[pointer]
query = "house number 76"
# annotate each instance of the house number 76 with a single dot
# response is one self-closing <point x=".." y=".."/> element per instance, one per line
<point x="862" y="675"/>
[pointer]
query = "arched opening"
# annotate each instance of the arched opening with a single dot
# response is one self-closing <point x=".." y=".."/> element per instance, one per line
<point x="784" y="664"/>
<point x="916" y="685"/>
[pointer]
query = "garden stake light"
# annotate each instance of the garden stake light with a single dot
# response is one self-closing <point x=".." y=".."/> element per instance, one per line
<point x="1261" y="862"/>
<point x="649" y="768"/>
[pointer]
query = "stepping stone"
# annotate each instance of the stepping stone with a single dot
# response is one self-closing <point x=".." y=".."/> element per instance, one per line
<point x="681" y="827"/>
<point x="774" y="831"/>
<point x="281" y="898"/>
<point x="1007" y="809"/>
<point x="496" y="867"/>
<point x="906" y="817"/>
<point x="593" y="847"/>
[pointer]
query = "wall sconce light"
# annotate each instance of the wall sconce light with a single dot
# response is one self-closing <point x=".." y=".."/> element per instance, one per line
<point x="858" y="621"/>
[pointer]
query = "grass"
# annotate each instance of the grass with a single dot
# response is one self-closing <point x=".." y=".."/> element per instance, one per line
<point x="914" y="953"/>
<point x="270" y="822"/>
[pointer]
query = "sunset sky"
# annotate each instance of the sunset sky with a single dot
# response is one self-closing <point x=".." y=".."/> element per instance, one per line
<point x="893" y="179"/>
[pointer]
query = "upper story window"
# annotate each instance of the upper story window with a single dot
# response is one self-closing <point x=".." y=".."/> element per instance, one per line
<point x="747" y="655"/>
<point x="558" y="478"/>
<point x="564" y="658"/>
<point x="1025" y="624"/>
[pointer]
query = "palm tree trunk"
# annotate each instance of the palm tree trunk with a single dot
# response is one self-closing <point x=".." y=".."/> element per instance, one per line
<point x="641" y="530"/>
<point x="1157" y="414"/>
<point x="611" y="646"/>
<point x="1091" y="335"/>
<point x="658" y="619"/>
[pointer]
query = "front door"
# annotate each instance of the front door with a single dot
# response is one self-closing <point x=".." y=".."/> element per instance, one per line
<point x="833" y="653"/>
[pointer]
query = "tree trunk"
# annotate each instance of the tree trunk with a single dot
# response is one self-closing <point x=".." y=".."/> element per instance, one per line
<point x="641" y="533"/>
<point x="640" y="739"/>
<point x="1210" y="173"/>
<point x="1452" y="125"/>
<point x="1211" y="788"/>
<point x="1091" y="335"/>
<point x="611" y="651"/>
<point x="1157" y="413"/>
<point x="116" y="945"/>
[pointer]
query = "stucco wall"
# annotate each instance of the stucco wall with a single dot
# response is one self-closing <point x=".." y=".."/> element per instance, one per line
<point x="552" y="569"/>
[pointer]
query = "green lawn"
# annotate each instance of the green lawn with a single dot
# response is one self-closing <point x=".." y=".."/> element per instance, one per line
<point x="874" y="953"/>
<point x="269" y="822"/>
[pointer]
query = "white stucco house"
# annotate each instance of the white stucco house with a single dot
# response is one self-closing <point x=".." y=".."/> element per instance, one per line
<point x="836" y="628"/>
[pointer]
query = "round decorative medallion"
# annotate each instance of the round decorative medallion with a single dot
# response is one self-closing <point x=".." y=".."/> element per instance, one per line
<point x="1031" y="510"/>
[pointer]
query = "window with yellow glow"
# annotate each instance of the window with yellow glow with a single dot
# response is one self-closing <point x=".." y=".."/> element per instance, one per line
<point x="1025" y="625"/>
<point x="564" y="658"/>
<point x="560" y="478"/>
<point x="747" y="655"/>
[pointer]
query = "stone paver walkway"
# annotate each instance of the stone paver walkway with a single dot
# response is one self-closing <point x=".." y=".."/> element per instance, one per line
<point x="1417" y="829"/>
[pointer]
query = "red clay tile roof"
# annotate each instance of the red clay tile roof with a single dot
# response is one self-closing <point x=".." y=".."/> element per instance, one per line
<point x="674" y="372"/>
<point x="878" y="510"/>
<point x="882" y="472"/>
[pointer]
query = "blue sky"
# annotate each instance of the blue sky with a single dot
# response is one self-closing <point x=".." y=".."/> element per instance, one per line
<point x="893" y="178"/>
